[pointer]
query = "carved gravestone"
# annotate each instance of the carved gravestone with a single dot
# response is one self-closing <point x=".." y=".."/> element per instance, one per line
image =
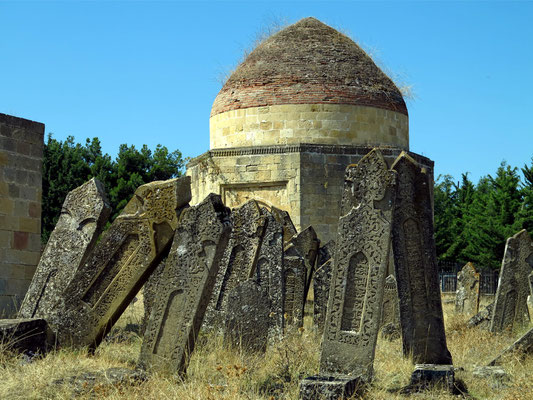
<point x="321" y="281"/>
<point x="415" y="260"/>
<point x="510" y="305"/>
<point x="305" y="244"/>
<point x="239" y="260"/>
<point x="185" y="287"/>
<point x="284" y="219"/>
<point x="247" y="317"/>
<point x="467" y="295"/>
<point x="149" y="292"/>
<point x="83" y="216"/>
<point x="121" y="262"/>
<point x="358" y="277"/>
<point x="390" y="310"/>
<point x="269" y="274"/>
<point x="295" y="278"/>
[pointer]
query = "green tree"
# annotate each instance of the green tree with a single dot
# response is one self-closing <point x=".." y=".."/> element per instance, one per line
<point x="525" y="214"/>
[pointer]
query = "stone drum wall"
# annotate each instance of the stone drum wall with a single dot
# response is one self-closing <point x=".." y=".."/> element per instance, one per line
<point x="21" y="152"/>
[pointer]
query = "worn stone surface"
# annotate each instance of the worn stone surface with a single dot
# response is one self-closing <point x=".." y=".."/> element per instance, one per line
<point x="121" y="262"/>
<point x="359" y="269"/>
<point x="294" y="284"/>
<point x="247" y="317"/>
<point x="83" y="216"/>
<point x="269" y="274"/>
<point x="391" y="331"/>
<point x="185" y="287"/>
<point x="149" y="291"/>
<point x="390" y="310"/>
<point x="305" y="244"/>
<point x="284" y="219"/>
<point x="415" y="259"/>
<point x="321" y="283"/>
<point x="426" y="376"/>
<point x="496" y="376"/>
<point x="510" y="305"/>
<point x="330" y="387"/>
<point x="239" y="260"/>
<point x="482" y="319"/>
<point x="521" y="347"/>
<point x="88" y="381"/>
<point x="467" y="294"/>
<point x="26" y="335"/>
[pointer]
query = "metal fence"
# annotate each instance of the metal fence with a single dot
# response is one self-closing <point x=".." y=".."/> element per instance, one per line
<point x="448" y="277"/>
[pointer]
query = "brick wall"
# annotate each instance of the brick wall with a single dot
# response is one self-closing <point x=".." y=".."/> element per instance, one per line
<point x="21" y="152"/>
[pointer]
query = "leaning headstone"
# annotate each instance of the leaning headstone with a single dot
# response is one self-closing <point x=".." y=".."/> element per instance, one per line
<point x="185" y="287"/>
<point x="239" y="260"/>
<point x="269" y="274"/>
<point x="305" y="244"/>
<point x="510" y="305"/>
<point x="415" y="259"/>
<point x="83" y="216"/>
<point x="284" y="219"/>
<point x="521" y="347"/>
<point x="25" y="335"/>
<point x="467" y="294"/>
<point x="247" y="317"/>
<point x="121" y="262"/>
<point x="295" y="278"/>
<point x="482" y="319"/>
<point x="149" y="292"/>
<point x="530" y="297"/>
<point x="390" y="310"/>
<point x="321" y="282"/>
<point x="359" y="271"/>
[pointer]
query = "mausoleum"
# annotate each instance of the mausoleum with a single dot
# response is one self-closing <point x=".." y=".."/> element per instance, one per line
<point x="307" y="102"/>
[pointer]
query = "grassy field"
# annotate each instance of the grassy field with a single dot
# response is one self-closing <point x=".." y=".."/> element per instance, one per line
<point x="217" y="372"/>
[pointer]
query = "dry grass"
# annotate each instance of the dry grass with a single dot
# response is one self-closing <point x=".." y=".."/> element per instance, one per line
<point x="217" y="372"/>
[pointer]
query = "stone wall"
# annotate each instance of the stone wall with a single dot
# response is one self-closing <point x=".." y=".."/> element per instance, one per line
<point x="21" y="152"/>
<point x="306" y="180"/>
<point x="334" y="124"/>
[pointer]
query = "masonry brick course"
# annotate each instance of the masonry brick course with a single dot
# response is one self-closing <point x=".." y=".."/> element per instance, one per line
<point x="21" y="151"/>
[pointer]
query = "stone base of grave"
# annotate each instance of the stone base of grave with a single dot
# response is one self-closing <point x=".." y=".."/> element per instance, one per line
<point x="496" y="376"/>
<point x="426" y="376"/>
<point x="25" y="335"/>
<point x="330" y="387"/>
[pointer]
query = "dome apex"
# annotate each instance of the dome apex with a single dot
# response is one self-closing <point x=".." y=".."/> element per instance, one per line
<point x="308" y="63"/>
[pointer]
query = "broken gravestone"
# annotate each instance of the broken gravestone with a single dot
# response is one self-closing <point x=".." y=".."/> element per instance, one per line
<point x="295" y="278"/>
<point x="247" y="317"/>
<point x="415" y="259"/>
<point x="358" y="277"/>
<point x="482" y="319"/>
<point x="83" y="216"/>
<point x="239" y="260"/>
<point x="521" y="347"/>
<point x="284" y="219"/>
<point x="185" y="287"/>
<point x="467" y="294"/>
<point x="25" y="335"/>
<point x="121" y="262"/>
<point x="510" y="305"/>
<point x="321" y="282"/>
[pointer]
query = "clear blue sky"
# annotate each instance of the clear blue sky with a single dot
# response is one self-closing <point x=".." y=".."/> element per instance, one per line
<point x="147" y="72"/>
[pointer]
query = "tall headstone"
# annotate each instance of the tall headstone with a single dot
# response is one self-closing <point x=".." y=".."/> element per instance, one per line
<point x="284" y="219"/>
<point x="295" y="279"/>
<point x="510" y="305"/>
<point x="467" y="294"/>
<point x="239" y="260"/>
<point x="390" y="310"/>
<point x="121" y="262"/>
<point x="321" y="283"/>
<point x="304" y="244"/>
<point x="415" y="260"/>
<point x="269" y="274"/>
<point x="359" y="271"/>
<point x="83" y="216"/>
<point x="185" y="287"/>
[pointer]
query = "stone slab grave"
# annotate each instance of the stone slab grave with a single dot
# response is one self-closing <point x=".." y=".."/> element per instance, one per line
<point x="390" y="310"/>
<point x="83" y="216"/>
<point x="269" y="274"/>
<point x="483" y="318"/>
<point x="247" y="317"/>
<point x="358" y="278"/>
<point x="321" y="283"/>
<point x="415" y="261"/>
<point x="467" y="294"/>
<point x="510" y="305"/>
<point x="25" y="335"/>
<point x="185" y="287"/>
<point x="522" y="346"/>
<point x="295" y="279"/>
<point x="121" y="262"/>
<point x="239" y="260"/>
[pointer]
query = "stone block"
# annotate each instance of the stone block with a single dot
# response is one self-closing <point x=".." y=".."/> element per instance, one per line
<point x="121" y="262"/>
<point x="483" y="318"/>
<point x="26" y="335"/>
<point x="496" y="376"/>
<point x="83" y="216"/>
<point x="335" y="387"/>
<point x="185" y="287"/>
<point x="426" y="376"/>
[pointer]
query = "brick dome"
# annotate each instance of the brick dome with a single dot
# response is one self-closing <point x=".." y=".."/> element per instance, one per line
<point x="308" y="63"/>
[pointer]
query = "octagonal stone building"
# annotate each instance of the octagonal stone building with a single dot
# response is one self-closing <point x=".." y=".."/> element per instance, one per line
<point x="307" y="102"/>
